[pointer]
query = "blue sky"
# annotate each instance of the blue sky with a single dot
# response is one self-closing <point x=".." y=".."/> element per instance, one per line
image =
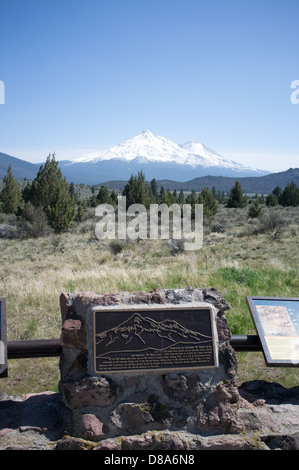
<point x="84" y="75"/>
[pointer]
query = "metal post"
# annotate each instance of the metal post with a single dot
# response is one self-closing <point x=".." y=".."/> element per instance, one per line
<point x="34" y="348"/>
<point x="246" y="343"/>
<point x="53" y="347"/>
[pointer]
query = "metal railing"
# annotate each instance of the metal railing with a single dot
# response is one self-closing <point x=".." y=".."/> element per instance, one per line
<point x="53" y="347"/>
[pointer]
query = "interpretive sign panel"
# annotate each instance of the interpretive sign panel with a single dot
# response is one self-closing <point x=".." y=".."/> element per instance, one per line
<point x="153" y="339"/>
<point x="276" y="320"/>
<point x="3" y="341"/>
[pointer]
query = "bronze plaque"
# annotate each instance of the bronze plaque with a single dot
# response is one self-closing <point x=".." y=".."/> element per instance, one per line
<point x="141" y="340"/>
<point x="3" y="341"/>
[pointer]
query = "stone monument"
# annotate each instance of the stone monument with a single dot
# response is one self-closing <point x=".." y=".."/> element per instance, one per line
<point x="147" y="368"/>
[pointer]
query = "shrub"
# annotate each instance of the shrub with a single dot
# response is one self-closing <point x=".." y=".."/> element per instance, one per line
<point x="176" y="246"/>
<point x="218" y="228"/>
<point x="272" y="224"/>
<point x="117" y="246"/>
<point x="255" y="209"/>
<point x="36" y="224"/>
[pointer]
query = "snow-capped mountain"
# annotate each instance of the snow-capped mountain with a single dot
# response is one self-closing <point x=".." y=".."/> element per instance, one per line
<point x="158" y="157"/>
<point x="144" y="145"/>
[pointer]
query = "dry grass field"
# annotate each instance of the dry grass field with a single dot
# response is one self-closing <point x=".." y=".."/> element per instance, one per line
<point x="240" y="257"/>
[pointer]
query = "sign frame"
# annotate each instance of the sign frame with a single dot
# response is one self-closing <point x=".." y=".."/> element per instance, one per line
<point x="150" y="311"/>
<point x="276" y="347"/>
<point x="3" y="339"/>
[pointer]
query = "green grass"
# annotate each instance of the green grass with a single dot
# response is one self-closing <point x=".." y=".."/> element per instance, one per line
<point x="239" y="262"/>
<point x="236" y="284"/>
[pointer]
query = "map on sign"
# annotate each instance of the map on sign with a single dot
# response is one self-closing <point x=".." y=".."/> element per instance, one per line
<point x="277" y="323"/>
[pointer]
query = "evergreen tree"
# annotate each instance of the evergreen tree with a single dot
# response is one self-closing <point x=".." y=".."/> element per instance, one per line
<point x="271" y="200"/>
<point x="262" y="199"/>
<point x="192" y="199"/>
<point x="113" y="197"/>
<point x="210" y="206"/>
<point x="236" y="196"/>
<point x="10" y="196"/>
<point x="168" y="198"/>
<point x="61" y="212"/>
<point x="181" y="197"/>
<point x="290" y="195"/>
<point x="93" y="202"/>
<point x="255" y="209"/>
<point x="80" y="212"/>
<point x="72" y="191"/>
<point x="51" y="191"/>
<point x="221" y="197"/>
<point x="137" y="191"/>
<point x="161" y="192"/>
<point x="214" y="192"/>
<point x="103" y="196"/>
<point x="154" y="188"/>
<point x="26" y="192"/>
<point x="277" y="191"/>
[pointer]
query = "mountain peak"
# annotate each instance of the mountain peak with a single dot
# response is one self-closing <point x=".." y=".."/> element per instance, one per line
<point x="146" y="132"/>
<point x="148" y="149"/>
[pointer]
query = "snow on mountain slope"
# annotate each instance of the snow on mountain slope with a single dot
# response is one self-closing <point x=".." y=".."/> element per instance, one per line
<point x="146" y="145"/>
<point x="202" y="155"/>
<point x="158" y="149"/>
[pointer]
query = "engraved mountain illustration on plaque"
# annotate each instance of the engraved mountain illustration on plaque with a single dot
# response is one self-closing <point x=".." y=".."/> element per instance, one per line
<point x="140" y="333"/>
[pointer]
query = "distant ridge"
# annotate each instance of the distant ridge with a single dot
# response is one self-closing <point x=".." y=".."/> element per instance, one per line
<point x="251" y="184"/>
<point x="20" y="168"/>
